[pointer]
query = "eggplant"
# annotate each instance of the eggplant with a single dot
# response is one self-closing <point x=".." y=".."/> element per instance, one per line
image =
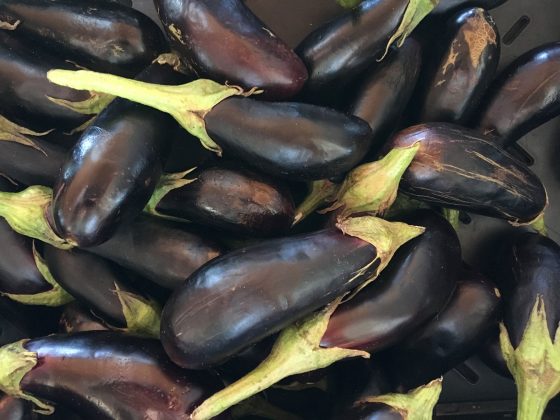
<point x="446" y="6"/>
<point x="114" y="167"/>
<point x="406" y="295"/>
<point x="527" y="273"/>
<point x="102" y="287"/>
<point x="340" y="50"/>
<point x="462" y="169"/>
<point x="12" y="408"/>
<point x="462" y="73"/>
<point x="224" y="41"/>
<point x="382" y="97"/>
<point x="251" y="293"/>
<point x="159" y="250"/>
<point x="232" y="200"/>
<point x="76" y="318"/>
<point x="491" y="354"/>
<point x="103" y="375"/>
<point x="97" y="34"/>
<point x="449" y="339"/>
<point x="525" y="95"/>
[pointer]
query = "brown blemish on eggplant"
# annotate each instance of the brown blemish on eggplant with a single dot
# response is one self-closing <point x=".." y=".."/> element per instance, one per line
<point x="478" y="35"/>
<point x="9" y="26"/>
<point x="177" y="34"/>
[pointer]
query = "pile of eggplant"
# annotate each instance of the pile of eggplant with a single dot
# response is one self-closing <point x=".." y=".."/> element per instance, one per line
<point x="199" y="221"/>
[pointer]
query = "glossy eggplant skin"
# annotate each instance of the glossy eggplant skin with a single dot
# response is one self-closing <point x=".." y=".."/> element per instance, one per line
<point x="525" y="95"/>
<point x="463" y="72"/>
<point x="233" y="200"/>
<point x="382" y="97"/>
<point x="224" y="41"/>
<point x="459" y="168"/>
<point x="340" y="50"/>
<point x="408" y="293"/>
<point x="100" y="35"/>
<point x="251" y="293"/>
<point x="446" y="6"/>
<point x="450" y="338"/>
<point x="24" y="86"/>
<point x="370" y="411"/>
<point x="108" y="375"/>
<point x="12" y="408"/>
<point x="161" y="251"/>
<point x="289" y="140"/>
<point x="114" y="167"/>
<point x="491" y="354"/>
<point x="528" y="267"/>
<point x="77" y="318"/>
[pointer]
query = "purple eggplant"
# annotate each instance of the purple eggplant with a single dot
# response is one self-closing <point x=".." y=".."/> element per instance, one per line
<point x="103" y="375"/>
<point x="12" y="408"/>
<point x="77" y="318"/>
<point x="491" y="354"/>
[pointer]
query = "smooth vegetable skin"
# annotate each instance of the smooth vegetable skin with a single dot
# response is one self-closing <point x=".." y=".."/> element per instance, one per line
<point x="232" y="200"/>
<point x="97" y="34"/>
<point x="459" y="168"/>
<point x="77" y="318"/>
<point x="224" y="41"/>
<point x="526" y="95"/>
<point x="408" y="292"/>
<point x="491" y="354"/>
<point x="161" y="251"/>
<point x="446" y="6"/>
<point x="114" y="167"/>
<point x="461" y="74"/>
<point x="107" y="375"/>
<point x="12" y="408"/>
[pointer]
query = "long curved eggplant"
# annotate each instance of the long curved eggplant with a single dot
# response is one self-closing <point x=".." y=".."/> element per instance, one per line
<point x="446" y="6"/>
<point x="232" y="200"/>
<point x="406" y="295"/>
<point x="97" y="34"/>
<point x="249" y="294"/>
<point x="460" y="76"/>
<point x="100" y="286"/>
<point x="340" y="50"/>
<point x="114" y="167"/>
<point x="12" y="408"/>
<point x="77" y="318"/>
<point x="383" y="96"/>
<point x="450" y="338"/>
<point x="224" y="41"/>
<point x="161" y="251"/>
<point x="459" y="168"/>
<point x="103" y="375"/>
<point x="528" y="274"/>
<point x="526" y="95"/>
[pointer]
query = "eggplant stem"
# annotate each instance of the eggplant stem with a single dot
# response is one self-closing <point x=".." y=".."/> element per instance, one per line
<point x="452" y="216"/>
<point x="321" y="192"/>
<point x="167" y="183"/>
<point x="10" y="131"/>
<point x="296" y="351"/>
<point x="348" y="4"/>
<point x="142" y="316"/>
<point x="92" y="106"/>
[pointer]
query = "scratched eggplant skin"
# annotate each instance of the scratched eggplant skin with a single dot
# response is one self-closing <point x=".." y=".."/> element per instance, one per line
<point x="456" y="84"/>
<point x="460" y="168"/>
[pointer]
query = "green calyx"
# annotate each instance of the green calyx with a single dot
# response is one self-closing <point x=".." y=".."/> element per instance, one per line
<point x="188" y="103"/>
<point x="413" y="15"/>
<point x="297" y="350"/>
<point x="348" y="4"/>
<point x="539" y="225"/>
<point x="142" y="316"/>
<point x="321" y="193"/>
<point x="403" y="205"/>
<point x="54" y="297"/>
<point x="15" y="362"/>
<point x="418" y="404"/>
<point x="166" y="184"/>
<point x="26" y="211"/>
<point x="10" y="131"/>
<point x="372" y="187"/>
<point x="452" y="216"/>
<point x="535" y="364"/>
<point x="93" y="105"/>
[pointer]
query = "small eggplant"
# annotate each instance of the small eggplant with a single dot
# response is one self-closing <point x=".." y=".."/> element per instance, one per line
<point x="99" y="285"/>
<point x="97" y="34"/>
<point x="12" y="408"/>
<point x="406" y="295"/>
<point x="462" y="73"/>
<point x="383" y="96"/>
<point x="291" y="140"/>
<point x="339" y="51"/>
<point x="459" y="168"/>
<point x="76" y="318"/>
<point x="224" y="41"/>
<point x="447" y="6"/>
<point x="228" y="199"/>
<point x="526" y="95"/>
<point x="103" y="376"/>
<point x="450" y="338"/>
<point x="528" y="274"/>
<point x="115" y="166"/>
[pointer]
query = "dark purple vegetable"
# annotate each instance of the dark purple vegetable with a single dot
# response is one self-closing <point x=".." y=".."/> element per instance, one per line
<point x="224" y="41"/>
<point x="76" y="318"/>
<point x="526" y="95"/>
<point x="12" y="408"/>
<point x="161" y="251"/>
<point x="406" y="295"/>
<point x="249" y="294"/>
<point x="114" y="168"/>
<point x="103" y="375"/>
<point x="14" y="324"/>
<point x="461" y="74"/>
<point x="459" y="168"/>
<point x="449" y="339"/>
<point x="491" y="354"/>
<point x="446" y="6"/>
<point x="97" y="34"/>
